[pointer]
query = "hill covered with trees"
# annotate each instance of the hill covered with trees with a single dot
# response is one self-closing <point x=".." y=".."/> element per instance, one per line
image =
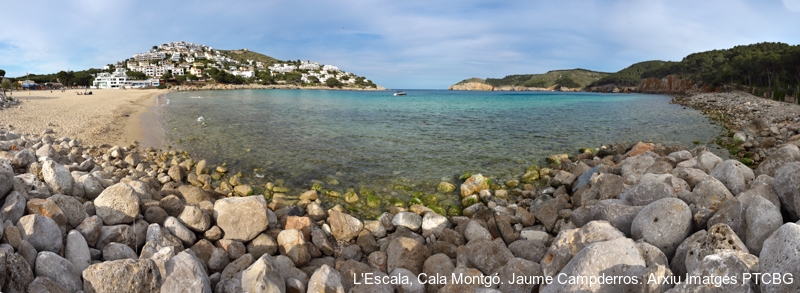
<point x="574" y="78"/>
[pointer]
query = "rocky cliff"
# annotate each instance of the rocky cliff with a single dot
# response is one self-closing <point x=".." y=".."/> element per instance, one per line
<point x="471" y="86"/>
<point x="672" y="84"/>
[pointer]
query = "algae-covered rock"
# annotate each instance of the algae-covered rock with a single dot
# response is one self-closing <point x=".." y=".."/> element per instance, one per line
<point x="373" y="201"/>
<point x="445" y="187"/>
<point x="351" y="197"/>
<point x="430" y="199"/>
<point x="474" y="184"/>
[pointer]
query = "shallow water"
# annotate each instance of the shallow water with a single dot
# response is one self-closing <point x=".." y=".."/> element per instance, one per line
<point x="377" y="140"/>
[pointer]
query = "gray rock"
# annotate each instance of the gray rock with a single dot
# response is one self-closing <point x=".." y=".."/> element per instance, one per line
<point x="262" y="244"/>
<point x="6" y="178"/>
<point x="134" y="276"/>
<point x="781" y="156"/>
<point x="91" y="187"/>
<point x="633" y="168"/>
<point x="45" y="285"/>
<point x="731" y="213"/>
<point x="241" y="218"/>
<point x="353" y="272"/>
<point x="195" y="219"/>
<point x="22" y="159"/>
<point x="414" y="285"/>
<point x="325" y="280"/>
<point x="179" y="230"/>
<point x="654" y="272"/>
<point x="603" y="186"/>
<point x="719" y="237"/>
<point x="584" y="177"/>
<point x="724" y="265"/>
<point x="18" y="274"/>
<point x="28" y="252"/>
<point x="438" y="264"/>
<point x="652" y="255"/>
<point x="647" y="192"/>
<point x="664" y="223"/>
<point x="763" y="218"/>
<point x="193" y="194"/>
<point x="343" y="226"/>
<point x="761" y="188"/>
<point x="176" y="173"/>
<point x="707" y="161"/>
<point x="14" y="207"/>
<point x="155" y="215"/>
<point x="735" y="175"/>
<point x="680" y="156"/>
<point x="709" y="193"/>
<point x="30" y="187"/>
<point x="218" y="261"/>
<point x="90" y="229"/>
<point x="780" y="256"/>
<point x="117" y="233"/>
<point x="475" y="230"/>
<point x="57" y="177"/>
<point x="618" y="257"/>
<point x="72" y="208"/>
<point x="617" y="213"/>
<point x="531" y="250"/>
<point x="117" y="204"/>
<point x="236" y="267"/>
<point x="515" y="268"/>
<point x="691" y="176"/>
<point x="409" y="220"/>
<point x="562" y="178"/>
<point x="320" y="240"/>
<point x="116" y="251"/>
<point x="77" y="251"/>
<point x="292" y="244"/>
<point x="406" y="253"/>
<point x="185" y="274"/>
<point x="569" y="242"/>
<point x="787" y="186"/>
<point x="58" y="269"/>
<point x="41" y="232"/>
<point x="487" y="256"/>
<point x="263" y="276"/>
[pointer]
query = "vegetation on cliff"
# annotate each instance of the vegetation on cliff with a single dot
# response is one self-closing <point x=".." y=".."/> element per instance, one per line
<point x="574" y="78"/>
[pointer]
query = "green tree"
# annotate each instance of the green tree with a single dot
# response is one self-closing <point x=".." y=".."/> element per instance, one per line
<point x="6" y="85"/>
<point x="166" y="76"/>
<point x="136" y="75"/>
<point x="180" y="78"/>
<point x="313" y="79"/>
<point x="65" y="77"/>
<point x="2" y="73"/>
<point x="332" y="82"/>
<point x="567" y="82"/>
<point x="191" y="77"/>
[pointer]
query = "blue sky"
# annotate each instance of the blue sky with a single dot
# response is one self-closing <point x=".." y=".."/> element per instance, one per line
<point x="397" y="44"/>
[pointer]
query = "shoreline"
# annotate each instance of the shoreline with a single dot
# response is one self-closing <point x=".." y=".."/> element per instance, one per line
<point x="105" y="117"/>
<point x="211" y="87"/>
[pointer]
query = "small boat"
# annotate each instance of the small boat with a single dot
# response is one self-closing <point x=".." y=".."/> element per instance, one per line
<point x="399" y="93"/>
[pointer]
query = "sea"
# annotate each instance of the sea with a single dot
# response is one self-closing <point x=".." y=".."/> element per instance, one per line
<point x="394" y="146"/>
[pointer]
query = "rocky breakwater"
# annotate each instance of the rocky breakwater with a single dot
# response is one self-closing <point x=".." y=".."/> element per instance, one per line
<point x="118" y="219"/>
<point x="757" y="127"/>
<point x="214" y="87"/>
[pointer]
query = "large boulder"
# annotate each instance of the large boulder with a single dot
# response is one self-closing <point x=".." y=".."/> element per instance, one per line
<point x="77" y="251"/>
<point x="724" y="265"/>
<point x="123" y="276"/>
<point x="71" y="207"/>
<point x="325" y="280"/>
<point x="735" y="175"/>
<point x="193" y="194"/>
<point x="569" y="242"/>
<point x="618" y="257"/>
<point x="343" y="226"/>
<point x="647" y="192"/>
<point x="58" y="269"/>
<point x="409" y="220"/>
<point x="781" y="156"/>
<point x="18" y="273"/>
<point x="185" y="274"/>
<point x="664" y="224"/>
<point x="487" y="256"/>
<point x="117" y="204"/>
<point x="707" y="161"/>
<point x="474" y="184"/>
<point x="263" y="276"/>
<point x="292" y="244"/>
<point x="617" y="212"/>
<point x="779" y="257"/>
<point x="41" y="232"/>
<point x="406" y="253"/>
<point x="57" y="177"/>
<point x="709" y="194"/>
<point x="513" y="274"/>
<point x="763" y="218"/>
<point x="241" y="218"/>
<point x="6" y="178"/>
<point x="787" y="186"/>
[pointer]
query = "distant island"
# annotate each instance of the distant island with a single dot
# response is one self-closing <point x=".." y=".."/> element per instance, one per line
<point x="188" y="65"/>
<point x="769" y="70"/>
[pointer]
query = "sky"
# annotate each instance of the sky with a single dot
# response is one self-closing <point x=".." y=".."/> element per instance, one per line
<point x="397" y="44"/>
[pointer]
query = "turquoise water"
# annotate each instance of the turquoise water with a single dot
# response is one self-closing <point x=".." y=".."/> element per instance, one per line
<point x="377" y="140"/>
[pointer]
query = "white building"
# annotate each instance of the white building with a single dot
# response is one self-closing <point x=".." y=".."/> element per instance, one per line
<point x="330" y="68"/>
<point x="244" y="73"/>
<point x="176" y="57"/>
<point x="149" y="56"/>
<point x="178" y="71"/>
<point x="282" y="68"/>
<point x="309" y="65"/>
<point x="119" y="79"/>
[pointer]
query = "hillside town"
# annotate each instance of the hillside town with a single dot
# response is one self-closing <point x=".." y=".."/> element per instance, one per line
<point x="187" y="62"/>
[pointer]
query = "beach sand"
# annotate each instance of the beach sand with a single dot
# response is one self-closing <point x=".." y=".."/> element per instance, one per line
<point x="107" y="116"/>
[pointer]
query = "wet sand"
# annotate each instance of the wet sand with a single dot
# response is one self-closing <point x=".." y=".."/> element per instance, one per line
<point x="105" y="117"/>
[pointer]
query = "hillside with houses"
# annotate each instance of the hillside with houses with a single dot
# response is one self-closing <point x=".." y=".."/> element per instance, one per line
<point x="189" y="63"/>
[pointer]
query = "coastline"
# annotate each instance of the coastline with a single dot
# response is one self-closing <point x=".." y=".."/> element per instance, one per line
<point x="105" y="117"/>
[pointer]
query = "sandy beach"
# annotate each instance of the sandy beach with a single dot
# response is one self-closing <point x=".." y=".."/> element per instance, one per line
<point x="105" y="117"/>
